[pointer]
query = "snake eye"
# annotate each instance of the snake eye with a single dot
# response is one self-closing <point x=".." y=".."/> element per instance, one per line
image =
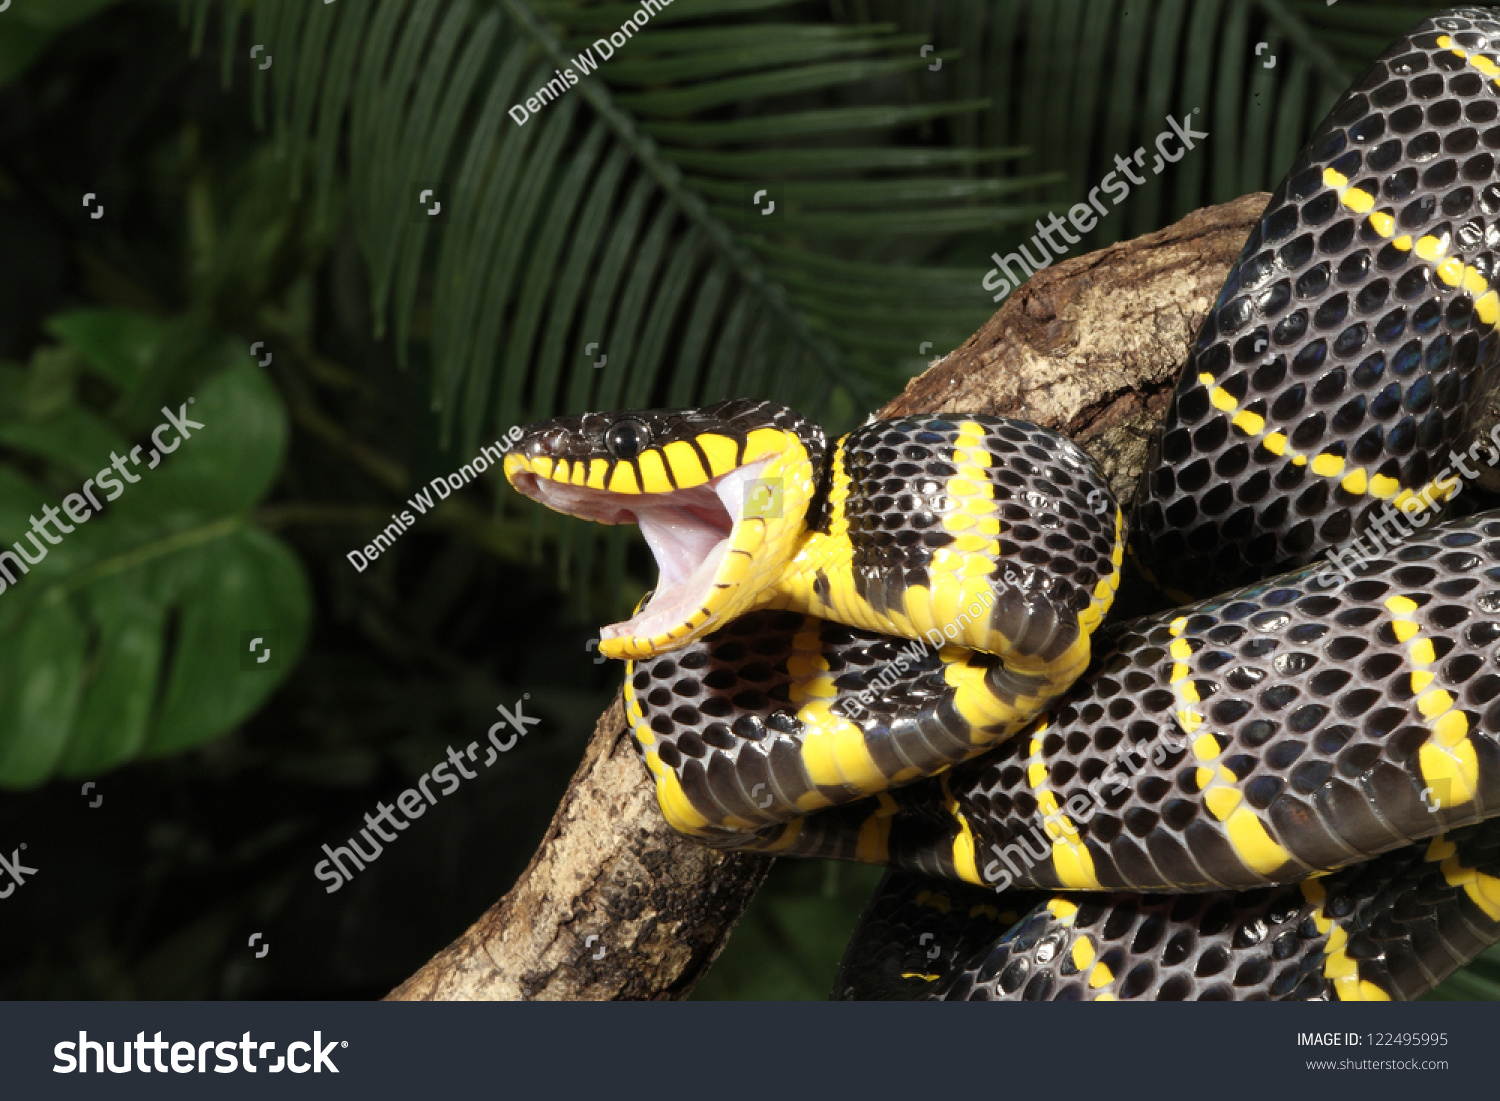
<point x="627" y="439"/>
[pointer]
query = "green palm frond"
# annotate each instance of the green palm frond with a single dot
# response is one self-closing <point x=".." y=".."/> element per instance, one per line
<point x="622" y="215"/>
<point x="1078" y="82"/>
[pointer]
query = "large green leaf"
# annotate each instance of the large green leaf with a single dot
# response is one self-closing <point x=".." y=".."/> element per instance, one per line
<point x="130" y="637"/>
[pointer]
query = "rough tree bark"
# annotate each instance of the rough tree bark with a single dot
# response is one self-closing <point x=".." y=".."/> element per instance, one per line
<point x="1091" y="347"/>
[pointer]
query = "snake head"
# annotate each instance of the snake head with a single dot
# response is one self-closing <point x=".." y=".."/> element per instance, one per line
<point x="720" y="495"/>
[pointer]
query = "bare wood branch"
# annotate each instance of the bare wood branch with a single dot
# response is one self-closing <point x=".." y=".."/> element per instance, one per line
<point x="608" y="867"/>
<point x="1090" y="346"/>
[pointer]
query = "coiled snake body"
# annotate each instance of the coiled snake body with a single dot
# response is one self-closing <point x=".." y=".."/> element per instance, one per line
<point x="883" y="648"/>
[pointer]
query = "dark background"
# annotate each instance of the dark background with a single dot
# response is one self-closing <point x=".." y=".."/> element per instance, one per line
<point x="278" y="205"/>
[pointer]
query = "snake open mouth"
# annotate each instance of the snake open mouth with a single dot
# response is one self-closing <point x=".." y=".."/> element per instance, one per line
<point x="689" y="532"/>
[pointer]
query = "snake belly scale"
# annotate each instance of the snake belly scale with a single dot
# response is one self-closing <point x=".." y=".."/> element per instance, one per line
<point x="892" y="647"/>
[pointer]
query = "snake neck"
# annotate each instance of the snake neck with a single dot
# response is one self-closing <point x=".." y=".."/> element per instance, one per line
<point x="874" y="560"/>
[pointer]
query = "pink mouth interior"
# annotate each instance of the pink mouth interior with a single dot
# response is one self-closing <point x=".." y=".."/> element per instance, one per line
<point x="688" y="531"/>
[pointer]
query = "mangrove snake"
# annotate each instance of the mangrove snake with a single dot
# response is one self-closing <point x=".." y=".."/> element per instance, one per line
<point x="881" y="649"/>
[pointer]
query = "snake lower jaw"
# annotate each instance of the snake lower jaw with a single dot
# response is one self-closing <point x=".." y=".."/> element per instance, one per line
<point x="671" y="616"/>
<point x="696" y="538"/>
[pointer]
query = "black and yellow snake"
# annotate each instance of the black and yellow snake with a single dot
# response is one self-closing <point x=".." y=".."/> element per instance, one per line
<point x="884" y="648"/>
